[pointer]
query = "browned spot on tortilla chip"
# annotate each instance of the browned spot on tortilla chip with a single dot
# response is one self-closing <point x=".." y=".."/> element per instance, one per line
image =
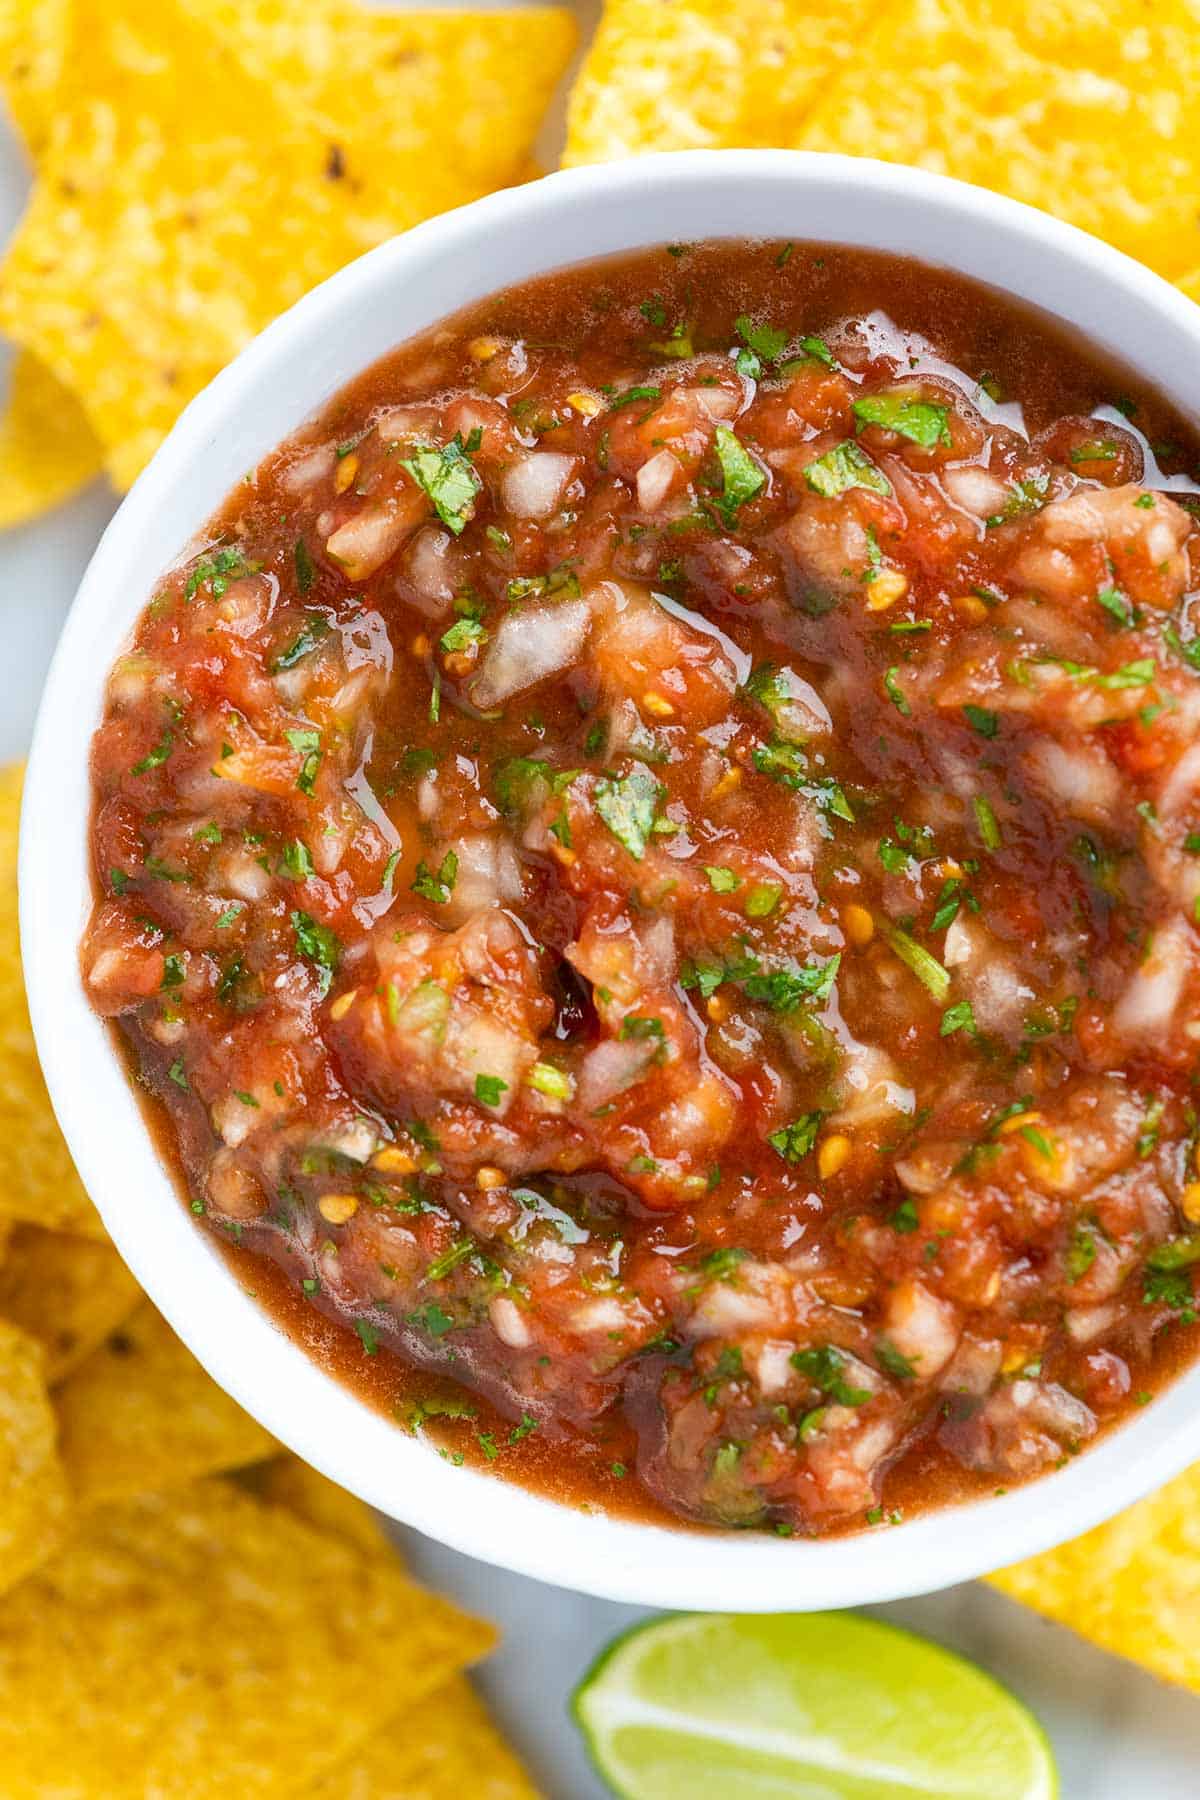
<point x="140" y="1414"/>
<point x="68" y="1292"/>
<point x="33" y="38"/>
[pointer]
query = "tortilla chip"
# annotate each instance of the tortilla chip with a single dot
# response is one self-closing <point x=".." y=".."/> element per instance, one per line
<point x="38" y="1183"/>
<point x="1086" y="108"/>
<point x="700" y="74"/>
<point x="287" y="1481"/>
<point x="452" y="95"/>
<point x="141" y="1414"/>
<point x="1131" y="1586"/>
<point x="33" y="39"/>
<point x="47" y="448"/>
<point x="33" y="1489"/>
<point x="67" y="1292"/>
<point x="445" y="1749"/>
<point x="197" y="1645"/>
<point x="188" y="195"/>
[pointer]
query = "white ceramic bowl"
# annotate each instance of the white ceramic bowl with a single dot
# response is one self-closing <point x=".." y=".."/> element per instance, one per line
<point x="283" y="377"/>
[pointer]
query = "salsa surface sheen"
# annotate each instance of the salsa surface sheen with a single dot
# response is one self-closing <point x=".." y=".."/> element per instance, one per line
<point x="650" y="863"/>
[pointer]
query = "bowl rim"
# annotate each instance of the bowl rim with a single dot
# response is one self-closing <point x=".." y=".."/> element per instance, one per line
<point x="275" y="1380"/>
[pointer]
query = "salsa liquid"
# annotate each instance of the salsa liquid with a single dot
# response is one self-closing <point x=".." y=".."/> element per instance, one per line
<point x="650" y="863"/>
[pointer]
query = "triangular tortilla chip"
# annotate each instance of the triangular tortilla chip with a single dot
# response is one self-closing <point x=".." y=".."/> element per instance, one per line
<point x="1131" y="1586"/>
<point x="1086" y="108"/>
<point x="188" y="195"/>
<point x="699" y="74"/>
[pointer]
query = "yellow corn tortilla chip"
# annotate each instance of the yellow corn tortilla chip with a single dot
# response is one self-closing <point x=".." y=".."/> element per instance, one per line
<point x="448" y="1749"/>
<point x="33" y="1489"/>
<point x="1131" y="1586"/>
<point x="141" y="1414"/>
<point x="1086" y="108"/>
<point x="38" y="1183"/>
<point x="47" y="448"/>
<point x="33" y="37"/>
<point x="288" y="1481"/>
<point x="700" y="74"/>
<point x="197" y="1645"/>
<point x="67" y="1292"/>
<point x="188" y="194"/>
<point x="458" y="95"/>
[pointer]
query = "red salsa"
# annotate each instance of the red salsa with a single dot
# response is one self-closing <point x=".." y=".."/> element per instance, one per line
<point x="650" y="859"/>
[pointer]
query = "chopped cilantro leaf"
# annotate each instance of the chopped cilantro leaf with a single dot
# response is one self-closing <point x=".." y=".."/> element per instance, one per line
<point x="980" y="719"/>
<point x="306" y="572"/>
<point x="845" y="466"/>
<point x="436" y="887"/>
<point x="920" y="421"/>
<point x="766" y="341"/>
<point x="794" y="1142"/>
<point x="632" y="395"/>
<point x="449" y="480"/>
<point x="627" y="806"/>
<point x="319" y="944"/>
<point x="489" y="1088"/>
<point x="893" y="1362"/>
<point x="783" y="989"/>
<point x="959" y="1017"/>
<point x="740" y="474"/>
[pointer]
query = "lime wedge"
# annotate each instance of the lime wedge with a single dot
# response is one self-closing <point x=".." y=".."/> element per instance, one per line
<point x="804" y="1706"/>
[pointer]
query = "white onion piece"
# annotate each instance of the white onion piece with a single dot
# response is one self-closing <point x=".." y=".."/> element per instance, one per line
<point x="1080" y="779"/>
<point x="488" y="874"/>
<point x="508" y="1323"/>
<point x="1053" y="1408"/>
<point x="922" y="1326"/>
<point x="658" y="947"/>
<point x="533" y="484"/>
<point x="956" y="945"/>
<point x="773" y="1369"/>
<point x="973" y="1367"/>
<point x="975" y="490"/>
<point x="725" y="1311"/>
<point x="602" y="1314"/>
<point x="609" y="1069"/>
<point x="1148" y="1004"/>
<point x="308" y="469"/>
<point x="530" y="645"/>
<point x="427" y="569"/>
<point x="1084" y="1323"/>
<point x="372" y="535"/>
<point x="654" y="480"/>
<point x="719" y="403"/>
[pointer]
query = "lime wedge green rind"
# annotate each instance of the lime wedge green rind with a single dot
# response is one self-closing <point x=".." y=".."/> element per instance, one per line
<point x="804" y="1706"/>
